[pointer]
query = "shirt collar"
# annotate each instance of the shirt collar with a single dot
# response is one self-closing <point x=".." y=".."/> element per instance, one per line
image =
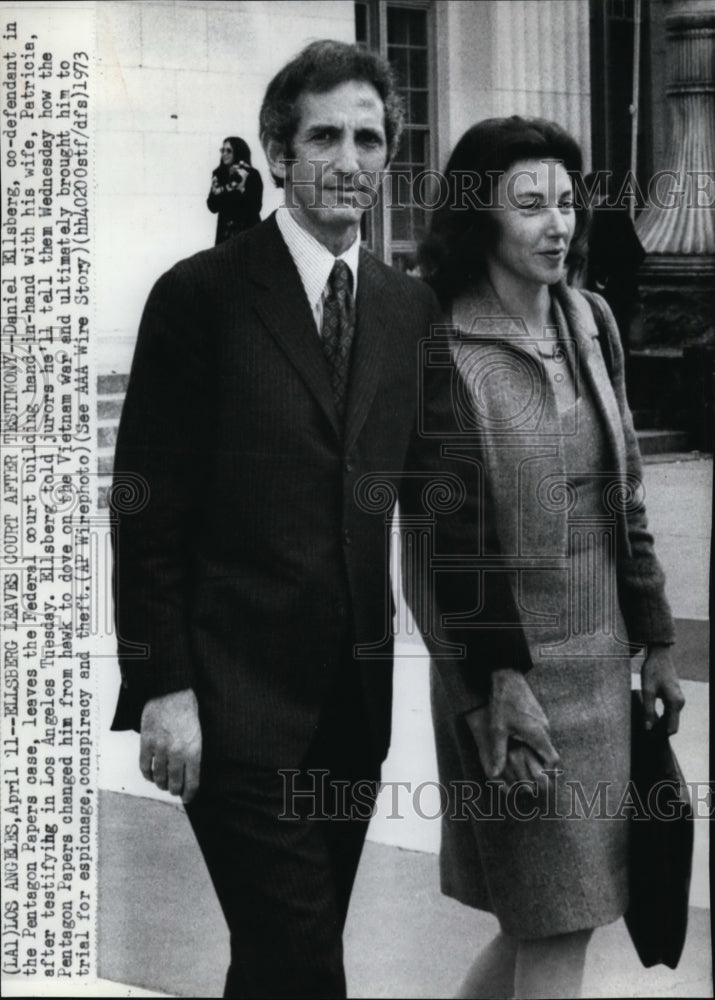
<point x="313" y="260"/>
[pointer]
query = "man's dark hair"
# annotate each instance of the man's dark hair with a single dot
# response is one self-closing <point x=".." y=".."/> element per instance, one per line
<point x="462" y="230"/>
<point x="321" y="67"/>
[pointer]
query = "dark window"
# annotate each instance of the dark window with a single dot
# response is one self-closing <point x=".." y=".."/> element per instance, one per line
<point x="403" y="33"/>
<point x="613" y="36"/>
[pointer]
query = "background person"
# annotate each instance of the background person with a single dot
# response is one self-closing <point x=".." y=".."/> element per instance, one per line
<point x="236" y="190"/>
<point x="548" y="450"/>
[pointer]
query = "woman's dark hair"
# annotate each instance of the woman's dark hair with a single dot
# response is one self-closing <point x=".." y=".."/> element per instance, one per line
<point x="462" y="229"/>
<point x="240" y="152"/>
<point x="321" y="67"/>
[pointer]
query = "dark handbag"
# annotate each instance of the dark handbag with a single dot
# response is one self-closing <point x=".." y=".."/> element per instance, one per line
<point x="661" y="845"/>
<point x="661" y="831"/>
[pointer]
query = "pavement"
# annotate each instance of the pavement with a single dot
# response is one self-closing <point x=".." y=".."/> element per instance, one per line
<point x="161" y="930"/>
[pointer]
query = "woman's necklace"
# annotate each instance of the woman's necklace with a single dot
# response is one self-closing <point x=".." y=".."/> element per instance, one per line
<point x="546" y="342"/>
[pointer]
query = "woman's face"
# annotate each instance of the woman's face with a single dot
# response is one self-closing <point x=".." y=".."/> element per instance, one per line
<point x="534" y="223"/>
<point x="227" y="154"/>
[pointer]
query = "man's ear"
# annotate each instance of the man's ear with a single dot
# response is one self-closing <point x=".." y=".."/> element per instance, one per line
<point x="275" y="154"/>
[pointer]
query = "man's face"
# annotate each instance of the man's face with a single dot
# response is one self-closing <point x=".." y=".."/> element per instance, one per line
<point x="340" y="133"/>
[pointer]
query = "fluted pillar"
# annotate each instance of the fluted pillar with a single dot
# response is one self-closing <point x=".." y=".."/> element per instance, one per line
<point x="675" y="373"/>
<point x="678" y="228"/>
<point x="541" y="63"/>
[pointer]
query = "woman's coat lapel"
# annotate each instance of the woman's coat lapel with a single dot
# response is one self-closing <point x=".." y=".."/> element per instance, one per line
<point x="521" y="445"/>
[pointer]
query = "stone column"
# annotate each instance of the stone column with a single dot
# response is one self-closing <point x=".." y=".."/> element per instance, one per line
<point x="678" y="229"/>
<point x="674" y="371"/>
<point x="513" y="57"/>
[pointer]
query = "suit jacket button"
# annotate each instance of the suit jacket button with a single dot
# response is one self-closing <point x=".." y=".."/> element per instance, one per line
<point x="348" y="465"/>
<point x="347" y="536"/>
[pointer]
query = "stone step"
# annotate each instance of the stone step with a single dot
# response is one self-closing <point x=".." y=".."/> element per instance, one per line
<point x="677" y="457"/>
<point x="657" y="442"/>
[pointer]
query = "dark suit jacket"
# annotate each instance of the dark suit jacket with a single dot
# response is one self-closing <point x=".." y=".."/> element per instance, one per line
<point x="252" y="567"/>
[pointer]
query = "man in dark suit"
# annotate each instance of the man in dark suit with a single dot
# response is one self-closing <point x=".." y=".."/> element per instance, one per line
<point x="271" y="374"/>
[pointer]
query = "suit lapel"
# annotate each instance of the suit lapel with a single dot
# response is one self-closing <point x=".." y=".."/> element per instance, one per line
<point x="581" y="324"/>
<point x="517" y="458"/>
<point x="481" y="315"/>
<point x="373" y="309"/>
<point x="281" y="302"/>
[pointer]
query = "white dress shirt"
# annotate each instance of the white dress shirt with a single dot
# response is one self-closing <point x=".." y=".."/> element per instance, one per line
<point x="314" y="261"/>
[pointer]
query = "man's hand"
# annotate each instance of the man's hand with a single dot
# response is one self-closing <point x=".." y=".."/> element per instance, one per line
<point x="659" y="680"/>
<point x="512" y="733"/>
<point x="170" y="754"/>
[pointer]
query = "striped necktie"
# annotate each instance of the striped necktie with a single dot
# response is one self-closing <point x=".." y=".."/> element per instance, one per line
<point x="338" y="331"/>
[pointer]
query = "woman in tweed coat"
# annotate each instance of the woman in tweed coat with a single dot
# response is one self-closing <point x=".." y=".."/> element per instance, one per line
<point x="539" y="750"/>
